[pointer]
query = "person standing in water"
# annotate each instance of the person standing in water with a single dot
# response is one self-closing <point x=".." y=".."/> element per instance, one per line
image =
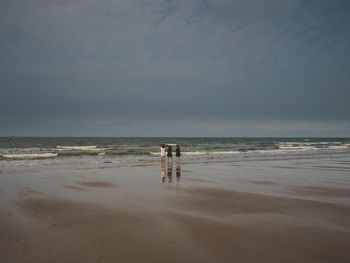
<point x="162" y="153"/>
<point x="170" y="154"/>
<point x="178" y="154"/>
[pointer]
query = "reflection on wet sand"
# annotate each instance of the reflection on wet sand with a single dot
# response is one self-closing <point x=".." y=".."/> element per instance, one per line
<point x="163" y="170"/>
<point x="170" y="171"/>
<point x="178" y="171"/>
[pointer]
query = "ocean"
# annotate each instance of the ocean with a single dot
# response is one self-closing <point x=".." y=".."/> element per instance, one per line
<point x="43" y="151"/>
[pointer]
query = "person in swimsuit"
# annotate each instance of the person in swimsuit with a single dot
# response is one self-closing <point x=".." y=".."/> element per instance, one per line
<point x="170" y="154"/>
<point x="178" y="154"/>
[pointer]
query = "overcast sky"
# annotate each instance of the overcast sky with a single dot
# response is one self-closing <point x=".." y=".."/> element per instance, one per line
<point x="175" y="68"/>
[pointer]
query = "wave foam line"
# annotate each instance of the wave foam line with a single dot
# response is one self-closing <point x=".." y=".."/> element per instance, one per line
<point x="78" y="148"/>
<point x="282" y="149"/>
<point x="29" y="155"/>
<point x="201" y="153"/>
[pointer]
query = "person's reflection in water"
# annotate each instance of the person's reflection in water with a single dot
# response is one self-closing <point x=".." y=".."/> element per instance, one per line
<point x="170" y="171"/>
<point x="163" y="171"/>
<point x="178" y="171"/>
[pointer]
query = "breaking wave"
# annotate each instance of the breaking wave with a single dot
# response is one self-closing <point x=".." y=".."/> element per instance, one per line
<point x="110" y="150"/>
<point x="29" y="155"/>
<point x="78" y="148"/>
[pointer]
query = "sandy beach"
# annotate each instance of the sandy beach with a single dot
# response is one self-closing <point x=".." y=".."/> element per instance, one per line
<point x="283" y="210"/>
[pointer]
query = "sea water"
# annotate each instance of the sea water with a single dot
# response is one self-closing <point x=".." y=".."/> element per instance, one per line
<point x="33" y="151"/>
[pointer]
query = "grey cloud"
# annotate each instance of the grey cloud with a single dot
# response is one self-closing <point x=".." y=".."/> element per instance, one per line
<point x="271" y="60"/>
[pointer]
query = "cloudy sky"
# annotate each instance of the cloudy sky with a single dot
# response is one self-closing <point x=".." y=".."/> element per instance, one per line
<point x="175" y="68"/>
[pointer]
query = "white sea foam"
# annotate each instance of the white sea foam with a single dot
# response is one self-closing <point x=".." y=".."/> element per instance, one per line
<point x="203" y="153"/>
<point x="310" y="146"/>
<point x="298" y="148"/>
<point x="282" y="148"/>
<point x="29" y="155"/>
<point x="209" y="153"/>
<point x="78" y="148"/>
<point x="338" y="147"/>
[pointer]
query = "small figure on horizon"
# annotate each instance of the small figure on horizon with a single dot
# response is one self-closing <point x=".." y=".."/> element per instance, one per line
<point x="178" y="153"/>
<point x="162" y="153"/>
<point x="170" y="154"/>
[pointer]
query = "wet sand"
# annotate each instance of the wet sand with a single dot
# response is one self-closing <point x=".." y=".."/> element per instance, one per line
<point x="263" y="211"/>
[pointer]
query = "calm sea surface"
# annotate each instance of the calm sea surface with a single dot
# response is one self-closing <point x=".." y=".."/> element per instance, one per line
<point x="29" y="151"/>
